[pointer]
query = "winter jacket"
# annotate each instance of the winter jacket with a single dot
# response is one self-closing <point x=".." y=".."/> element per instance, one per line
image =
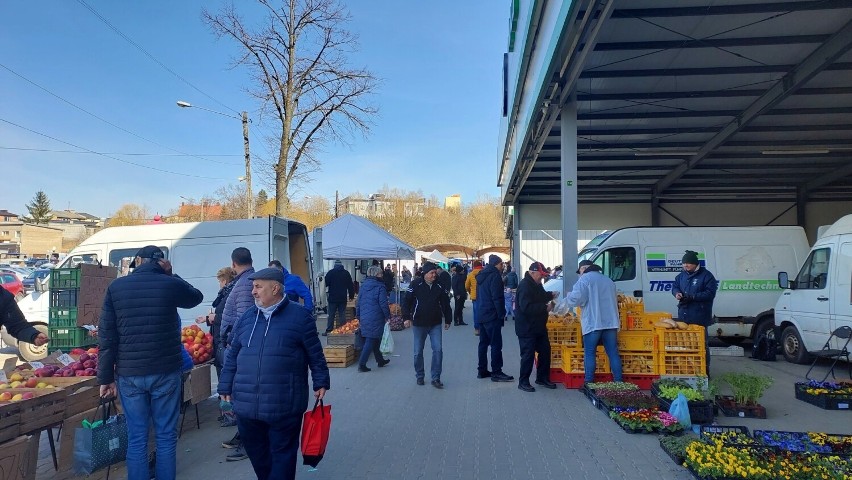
<point x="372" y="309"/>
<point x="458" y="285"/>
<point x="406" y="276"/>
<point x="425" y="304"/>
<point x="445" y="281"/>
<point x="139" y="323"/>
<point x="13" y="319"/>
<point x="595" y="293"/>
<point x="239" y="300"/>
<point x="491" y="305"/>
<point x="339" y="283"/>
<point x="219" y="307"/>
<point x="388" y="279"/>
<point x="295" y="289"/>
<point x="266" y="367"/>
<point x="699" y="290"/>
<point x="531" y="308"/>
<point x="511" y="280"/>
<point x="470" y="283"/>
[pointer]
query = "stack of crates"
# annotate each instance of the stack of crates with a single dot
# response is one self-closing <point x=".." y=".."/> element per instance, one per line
<point x="562" y="334"/>
<point x="681" y="352"/>
<point x="63" y="331"/>
<point x="573" y="360"/>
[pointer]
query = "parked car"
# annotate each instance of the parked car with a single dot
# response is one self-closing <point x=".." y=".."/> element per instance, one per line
<point x="11" y="283"/>
<point x="35" y="276"/>
<point x="18" y="273"/>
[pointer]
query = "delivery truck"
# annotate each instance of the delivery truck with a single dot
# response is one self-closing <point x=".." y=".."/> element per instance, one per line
<point x="819" y="299"/>
<point x="644" y="261"/>
<point x="196" y="250"/>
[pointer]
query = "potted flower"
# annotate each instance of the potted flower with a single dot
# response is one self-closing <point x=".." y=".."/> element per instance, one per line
<point x="698" y="397"/>
<point x="675" y="446"/>
<point x="646" y="420"/>
<point x="747" y="390"/>
<point x="826" y="395"/>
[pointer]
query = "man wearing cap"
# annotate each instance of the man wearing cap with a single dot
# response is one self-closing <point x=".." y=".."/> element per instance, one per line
<point x="140" y="356"/>
<point x="492" y="313"/>
<point x="424" y="305"/>
<point x="695" y="288"/>
<point x="596" y="294"/>
<point x="339" y="283"/>
<point x="533" y="305"/>
<point x="265" y="375"/>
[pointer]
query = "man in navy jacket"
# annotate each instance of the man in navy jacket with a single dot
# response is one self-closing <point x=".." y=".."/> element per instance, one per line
<point x="265" y="375"/>
<point x="140" y="350"/>
<point x="492" y="312"/>
<point x="339" y="284"/>
<point x="695" y="288"/>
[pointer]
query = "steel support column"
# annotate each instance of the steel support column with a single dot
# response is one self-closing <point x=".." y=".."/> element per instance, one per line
<point x="568" y="141"/>
<point x="801" y="205"/>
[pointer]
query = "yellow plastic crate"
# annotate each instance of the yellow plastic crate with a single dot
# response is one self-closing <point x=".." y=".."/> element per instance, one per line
<point x="572" y="360"/>
<point x="656" y="316"/>
<point x="629" y="308"/>
<point x="644" y="363"/>
<point x="565" y="334"/>
<point x="681" y="364"/>
<point x="671" y="340"/>
<point x="636" y="341"/>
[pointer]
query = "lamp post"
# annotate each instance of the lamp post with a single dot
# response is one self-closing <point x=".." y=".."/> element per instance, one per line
<point x="244" y="118"/>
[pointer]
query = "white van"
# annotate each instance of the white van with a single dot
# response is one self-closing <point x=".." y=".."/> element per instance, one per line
<point x="196" y="250"/>
<point x="818" y="300"/>
<point x="644" y="261"/>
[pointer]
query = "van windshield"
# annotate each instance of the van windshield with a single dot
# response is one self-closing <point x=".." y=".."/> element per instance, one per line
<point x="598" y="240"/>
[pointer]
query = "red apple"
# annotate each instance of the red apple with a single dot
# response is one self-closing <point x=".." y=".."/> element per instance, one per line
<point x="89" y="364"/>
<point x="31" y="382"/>
<point x="27" y="396"/>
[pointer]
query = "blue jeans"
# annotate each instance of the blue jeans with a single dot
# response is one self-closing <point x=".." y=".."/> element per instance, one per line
<point x="610" y="343"/>
<point x="273" y="448"/>
<point x="371" y="345"/>
<point x="437" y="350"/>
<point x="491" y="335"/>
<point x="476" y="324"/>
<point x="146" y="399"/>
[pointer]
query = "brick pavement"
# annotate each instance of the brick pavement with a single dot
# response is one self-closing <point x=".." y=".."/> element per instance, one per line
<point x="387" y="427"/>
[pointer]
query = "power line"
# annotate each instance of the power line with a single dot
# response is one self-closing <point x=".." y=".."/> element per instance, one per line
<point x="138" y="154"/>
<point x="149" y="55"/>
<point x="103" y="119"/>
<point x="108" y="156"/>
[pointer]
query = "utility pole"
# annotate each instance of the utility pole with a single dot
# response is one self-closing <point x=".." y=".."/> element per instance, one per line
<point x="249" y="196"/>
<point x="336" y="202"/>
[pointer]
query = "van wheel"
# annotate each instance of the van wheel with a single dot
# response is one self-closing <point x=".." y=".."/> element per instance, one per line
<point x="31" y="353"/>
<point x="761" y="328"/>
<point x="793" y="346"/>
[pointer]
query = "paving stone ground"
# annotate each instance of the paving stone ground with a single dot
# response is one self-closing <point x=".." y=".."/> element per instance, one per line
<point x="387" y="427"/>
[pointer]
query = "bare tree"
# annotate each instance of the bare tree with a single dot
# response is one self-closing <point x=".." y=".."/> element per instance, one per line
<point x="298" y="58"/>
<point x="129" y="214"/>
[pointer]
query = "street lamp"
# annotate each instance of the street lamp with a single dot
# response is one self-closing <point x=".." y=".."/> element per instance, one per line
<point x="244" y="118"/>
<point x="190" y="202"/>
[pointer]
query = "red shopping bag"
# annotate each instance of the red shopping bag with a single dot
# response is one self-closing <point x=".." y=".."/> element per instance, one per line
<point x="315" y="427"/>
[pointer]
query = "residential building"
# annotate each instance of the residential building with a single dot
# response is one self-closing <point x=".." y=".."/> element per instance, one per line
<point x="453" y="202"/>
<point x="377" y="205"/>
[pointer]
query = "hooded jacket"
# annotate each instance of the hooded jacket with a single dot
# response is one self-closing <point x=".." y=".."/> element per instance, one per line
<point x="425" y="304"/>
<point x="699" y="290"/>
<point x="139" y="323"/>
<point x="295" y="289"/>
<point x="372" y="309"/>
<point x="531" y="308"/>
<point x="239" y="300"/>
<point x="491" y="306"/>
<point x="470" y="282"/>
<point x="266" y="367"/>
<point x="339" y="283"/>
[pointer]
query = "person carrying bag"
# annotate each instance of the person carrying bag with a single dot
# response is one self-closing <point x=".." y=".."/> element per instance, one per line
<point x="100" y="443"/>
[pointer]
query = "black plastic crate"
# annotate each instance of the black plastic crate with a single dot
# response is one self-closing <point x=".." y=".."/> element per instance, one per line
<point x="63" y="298"/>
<point x="826" y="401"/>
<point x="700" y="411"/>
<point x="711" y="429"/>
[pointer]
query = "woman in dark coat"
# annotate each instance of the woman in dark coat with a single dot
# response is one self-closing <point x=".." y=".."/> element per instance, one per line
<point x="226" y="277"/>
<point x="372" y="311"/>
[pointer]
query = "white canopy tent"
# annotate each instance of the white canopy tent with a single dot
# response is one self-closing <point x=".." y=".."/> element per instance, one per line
<point x="438" y="257"/>
<point x="351" y="237"/>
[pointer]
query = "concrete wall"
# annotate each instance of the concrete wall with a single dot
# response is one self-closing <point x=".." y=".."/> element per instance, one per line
<point x="38" y="240"/>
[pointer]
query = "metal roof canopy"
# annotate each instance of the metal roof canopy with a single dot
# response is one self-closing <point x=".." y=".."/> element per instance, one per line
<point x="698" y="100"/>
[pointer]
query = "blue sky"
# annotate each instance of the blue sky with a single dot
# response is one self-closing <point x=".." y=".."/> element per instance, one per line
<point x="439" y="64"/>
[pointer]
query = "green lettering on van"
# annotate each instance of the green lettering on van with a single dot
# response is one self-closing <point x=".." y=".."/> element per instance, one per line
<point x="749" y="285"/>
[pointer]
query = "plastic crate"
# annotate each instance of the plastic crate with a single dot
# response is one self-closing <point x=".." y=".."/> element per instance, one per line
<point x="671" y="340"/>
<point x="700" y="411"/>
<point x="643" y="363"/>
<point x="564" y="334"/>
<point x="64" y="278"/>
<point x="826" y="401"/>
<point x="577" y="380"/>
<point x="644" y="382"/>
<point x="636" y="341"/>
<point x="629" y="308"/>
<point x="707" y="430"/>
<point x="68" y="337"/>
<point x="62" y="317"/>
<point x="637" y="322"/>
<point x="573" y="360"/>
<point x="63" y="297"/>
<point x="681" y="363"/>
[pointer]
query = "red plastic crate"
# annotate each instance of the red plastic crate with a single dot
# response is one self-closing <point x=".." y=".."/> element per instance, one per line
<point x="642" y="381"/>
<point x="576" y="380"/>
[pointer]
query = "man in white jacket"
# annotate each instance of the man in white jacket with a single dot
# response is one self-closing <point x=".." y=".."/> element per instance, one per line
<point x="595" y="293"/>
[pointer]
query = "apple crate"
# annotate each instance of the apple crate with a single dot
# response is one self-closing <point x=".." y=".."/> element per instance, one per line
<point x="573" y="360"/>
<point x="10" y="420"/>
<point x="353" y="339"/>
<point x="339" y="356"/>
<point x="565" y="334"/>
<point x="642" y="363"/>
<point x="674" y="340"/>
<point x="83" y="393"/>
<point x="45" y="409"/>
<point x="636" y="341"/>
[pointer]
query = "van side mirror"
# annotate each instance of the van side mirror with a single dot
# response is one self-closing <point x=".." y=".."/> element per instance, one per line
<point x="784" y="281"/>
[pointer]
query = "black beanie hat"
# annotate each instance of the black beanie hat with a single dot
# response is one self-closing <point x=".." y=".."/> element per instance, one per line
<point x="690" y="257"/>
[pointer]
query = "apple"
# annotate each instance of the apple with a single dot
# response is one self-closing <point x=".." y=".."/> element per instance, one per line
<point x="16" y="384"/>
<point x="17" y="397"/>
<point x="16" y="377"/>
<point x="93" y="350"/>
<point x="76" y="366"/>
<point x="89" y="364"/>
<point x="5" y="396"/>
<point x="68" y="373"/>
<point x="31" y="382"/>
<point x="84" y="357"/>
<point x="90" y="372"/>
<point x="41" y="385"/>
<point x="28" y="396"/>
<point x="3" y="386"/>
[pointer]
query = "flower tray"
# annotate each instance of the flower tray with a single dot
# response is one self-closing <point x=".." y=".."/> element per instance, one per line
<point x="826" y="401"/>
<point x="700" y="411"/>
<point x="730" y="408"/>
<point x="699" y="477"/>
<point x="801" y="442"/>
<point x="590" y="394"/>
<point x="711" y="429"/>
<point x="653" y="430"/>
<point x="677" y="459"/>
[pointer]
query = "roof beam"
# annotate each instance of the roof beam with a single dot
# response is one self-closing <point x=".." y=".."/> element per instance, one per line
<point x="814" y="63"/>
<point x="705" y="11"/>
<point x="827" y="178"/>
<point x="703" y="71"/>
<point x="592" y="97"/>
<point x="711" y="43"/>
<point x="711" y="113"/>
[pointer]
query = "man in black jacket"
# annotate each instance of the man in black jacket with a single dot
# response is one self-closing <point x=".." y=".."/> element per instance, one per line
<point x="533" y="305"/>
<point x="424" y="306"/>
<point x="460" y="294"/>
<point x="339" y="283"/>
<point x="13" y="319"/>
<point x="140" y="345"/>
<point x="491" y="310"/>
